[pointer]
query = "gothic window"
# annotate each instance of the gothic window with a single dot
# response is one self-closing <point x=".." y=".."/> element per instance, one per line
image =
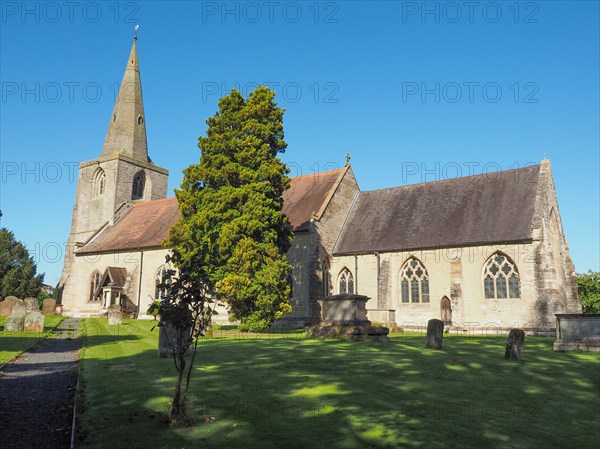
<point x="346" y="282"/>
<point x="501" y="278"/>
<point x="161" y="283"/>
<point x="139" y="181"/>
<point x="325" y="268"/>
<point x="94" y="286"/>
<point x="99" y="183"/>
<point x="140" y="119"/>
<point x="414" y="282"/>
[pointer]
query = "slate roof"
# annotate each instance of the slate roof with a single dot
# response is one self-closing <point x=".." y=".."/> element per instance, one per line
<point x="147" y="223"/>
<point x="483" y="209"/>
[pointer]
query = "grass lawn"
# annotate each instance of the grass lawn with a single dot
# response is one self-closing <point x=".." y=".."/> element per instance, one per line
<point x="13" y="343"/>
<point x="289" y="391"/>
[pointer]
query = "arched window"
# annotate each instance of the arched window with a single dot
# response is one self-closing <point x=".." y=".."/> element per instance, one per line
<point x="95" y="294"/>
<point x="162" y="280"/>
<point x="501" y="278"/>
<point x="137" y="191"/>
<point x="99" y="183"/>
<point x="414" y="282"/>
<point x="325" y="272"/>
<point x="346" y="282"/>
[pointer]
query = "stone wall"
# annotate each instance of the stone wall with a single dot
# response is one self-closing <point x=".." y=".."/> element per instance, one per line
<point x="93" y="210"/>
<point x="449" y="270"/>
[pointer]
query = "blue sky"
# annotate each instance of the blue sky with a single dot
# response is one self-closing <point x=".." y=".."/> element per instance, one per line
<point x="413" y="91"/>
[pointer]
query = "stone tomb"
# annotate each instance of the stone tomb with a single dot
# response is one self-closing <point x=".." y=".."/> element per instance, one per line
<point x="34" y="322"/>
<point x="345" y="316"/>
<point x="576" y="331"/>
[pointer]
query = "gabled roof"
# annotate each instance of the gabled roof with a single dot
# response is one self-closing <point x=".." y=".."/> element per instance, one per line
<point x="483" y="209"/>
<point x="147" y="224"/>
<point x="116" y="275"/>
<point x="309" y="195"/>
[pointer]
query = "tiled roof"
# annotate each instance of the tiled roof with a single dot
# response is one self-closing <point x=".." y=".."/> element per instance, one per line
<point x="483" y="209"/>
<point x="147" y="223"/>
<point x="308" y="195"/>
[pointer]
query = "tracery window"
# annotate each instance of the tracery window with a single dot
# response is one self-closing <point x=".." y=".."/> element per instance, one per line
<point x="94" y="284"/>
<point x="501" y="278"/>
<point x="414" y="282"/>
<point x="161" y="283"/>
<point x="139" y="181"/>
<point x="346" y="282"/>
<point x="99" y="183"/>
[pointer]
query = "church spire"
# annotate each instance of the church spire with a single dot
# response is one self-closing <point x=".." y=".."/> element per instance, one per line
<point x="126" y="133"/>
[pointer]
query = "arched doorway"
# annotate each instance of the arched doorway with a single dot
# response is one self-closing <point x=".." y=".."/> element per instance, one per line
<point x="446" y="311"/>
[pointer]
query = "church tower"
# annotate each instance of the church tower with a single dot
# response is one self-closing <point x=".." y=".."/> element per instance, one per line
<point x="123" y="173"/>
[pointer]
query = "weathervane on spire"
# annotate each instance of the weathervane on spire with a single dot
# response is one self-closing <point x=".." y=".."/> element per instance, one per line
<point x="135" y="28"/>
<point x="348" y="157"/>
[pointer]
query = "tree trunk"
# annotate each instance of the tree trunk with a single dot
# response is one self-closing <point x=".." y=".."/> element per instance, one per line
<point x="176" y="411"/>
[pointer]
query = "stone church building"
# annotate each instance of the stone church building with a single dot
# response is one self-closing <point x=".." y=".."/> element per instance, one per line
<point x="479" y="251"/>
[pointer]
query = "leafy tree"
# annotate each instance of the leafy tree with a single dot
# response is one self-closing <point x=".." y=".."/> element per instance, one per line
<point x="232" y="233"/>
<point x="17" y="269"/>
<point x="588" y="287"/>
<point x="185" y="315"/>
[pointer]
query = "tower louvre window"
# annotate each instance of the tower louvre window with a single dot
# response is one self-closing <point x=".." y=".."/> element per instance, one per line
<point x="99" y="183"/>
<point x="139" y="182"/>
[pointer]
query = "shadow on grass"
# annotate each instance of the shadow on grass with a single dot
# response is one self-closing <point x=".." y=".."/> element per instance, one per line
<point x="292" y="392"/>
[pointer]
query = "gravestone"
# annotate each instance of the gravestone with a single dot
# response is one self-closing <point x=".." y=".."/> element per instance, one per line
<point x="167" y="340"/>
<point x="115" y="317"/>
<point x="14" y="323"/>
<point x="435" y="334"/>
<point x="34" y="322"/>
<point x="49" y="306"/>
<point x="514" y="345"/>
<point x="32" y="305"/>
<point x="19" y="308"/>
<point x="5" y="308"/>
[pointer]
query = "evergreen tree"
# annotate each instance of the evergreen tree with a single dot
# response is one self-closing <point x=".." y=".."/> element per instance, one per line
<point x="588" y="287"/>
<point x="232" y="234"/>
<point x="17" y="269"/>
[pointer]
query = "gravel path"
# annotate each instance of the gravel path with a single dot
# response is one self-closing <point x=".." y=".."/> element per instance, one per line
<point x="36" y="393"/>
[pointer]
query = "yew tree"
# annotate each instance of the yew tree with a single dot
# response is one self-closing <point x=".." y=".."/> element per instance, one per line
<point x="232" y="233"/>
<point x="18" y="271"/>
